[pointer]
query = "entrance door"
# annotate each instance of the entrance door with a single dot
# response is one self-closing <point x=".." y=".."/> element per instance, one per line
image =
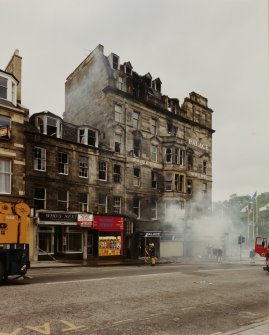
<point x="90" y="245"/>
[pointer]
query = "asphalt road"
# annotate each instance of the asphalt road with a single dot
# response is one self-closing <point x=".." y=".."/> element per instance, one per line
<point x="166" y="299"/>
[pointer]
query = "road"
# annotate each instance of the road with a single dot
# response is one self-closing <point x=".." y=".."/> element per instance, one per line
<point x="166" y="299"/>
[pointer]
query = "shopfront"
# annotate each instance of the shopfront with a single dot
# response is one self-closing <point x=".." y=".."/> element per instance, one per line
<point x="110" y="236"/>
<point x="59" y="236"/>
<point x="147" y="237"/>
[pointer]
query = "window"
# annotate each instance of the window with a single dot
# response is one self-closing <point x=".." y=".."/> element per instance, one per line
<point x="189" y="186"/>
<point x="154" y="213"/>
<point x="83" y="167"/>
<point x="102" y="203"/>
<point x="204" y="188"/>
<point x="117" y="205"/>
<point x="190" y="160"/>
<point x="154" y="153"/>
<point x="136" y="176"/>
<point x="87" y="136"/>
<point x="168" y="181"/>
<point x="154" y="126"/>
<point x="136" y="120"/>
<point x="63" y="200"/>
<point x="154" y="177"/>
<point x="5" y="176"/>
<point x="172" y="130"/>
<point x="136" y="207"/>
<point x="51" y="127"/>
<point x="115" y="62"/>
<point x="204" y="166"/>
<point x="83" y="200"/>
<point x="40" y="198"/>
<point x="62" y="163"/>
<point x="117" y="113"/>
<point x="136" y="147"/>
<point x="179" y="156"/>
<point x="3" y="88"/>
<point x="181" y="183"/>
<point x="168" y="155"/>
<point x="5" y="126"/>
<point x="120" y="83"/>
<point x="176" y="182"/>
<point x="102" y="170"/>
<point x="117" y="173"/>
<point x="39" y="159"/>
<point x="117" y="143"/>
<point x="45" y="240"/>
<point x="73" y="239"/>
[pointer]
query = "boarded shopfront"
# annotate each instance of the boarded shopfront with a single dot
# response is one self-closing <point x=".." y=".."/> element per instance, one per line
<point x="59" y="236"/>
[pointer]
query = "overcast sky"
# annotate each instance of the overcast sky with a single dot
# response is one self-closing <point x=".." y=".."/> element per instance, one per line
<point x="218" y="48"/>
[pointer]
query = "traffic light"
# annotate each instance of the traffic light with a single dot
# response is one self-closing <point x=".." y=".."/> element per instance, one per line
<point x="241" y="239"/>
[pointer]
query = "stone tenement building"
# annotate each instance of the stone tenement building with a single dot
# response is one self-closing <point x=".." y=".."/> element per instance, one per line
<point x="161" y="149"/>
<point x="12" y="118"/>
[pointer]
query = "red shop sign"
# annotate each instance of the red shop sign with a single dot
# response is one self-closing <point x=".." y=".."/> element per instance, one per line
<point x="108" y="223"/>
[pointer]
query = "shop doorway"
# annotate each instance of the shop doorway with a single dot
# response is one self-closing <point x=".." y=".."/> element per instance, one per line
<point x="90" y="245"/>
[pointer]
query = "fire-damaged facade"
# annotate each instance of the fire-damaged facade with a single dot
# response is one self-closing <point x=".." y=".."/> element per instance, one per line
<point x="158" y="173"/>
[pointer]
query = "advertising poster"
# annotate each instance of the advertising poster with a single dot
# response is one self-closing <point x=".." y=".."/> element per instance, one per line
<point x="109" y="245"/>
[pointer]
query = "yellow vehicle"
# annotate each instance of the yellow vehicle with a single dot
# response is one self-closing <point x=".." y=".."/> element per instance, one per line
<point x="14" y="239"/>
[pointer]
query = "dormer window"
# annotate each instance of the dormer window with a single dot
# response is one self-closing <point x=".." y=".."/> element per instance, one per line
<point x="3" y="88"/>
<point x="49" y="125"/>
<point x="87" y="136"/>
<point x="115" y="62"/>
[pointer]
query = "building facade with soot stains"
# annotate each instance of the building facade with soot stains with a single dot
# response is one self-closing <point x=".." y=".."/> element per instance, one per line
<point x="161" y="151"/>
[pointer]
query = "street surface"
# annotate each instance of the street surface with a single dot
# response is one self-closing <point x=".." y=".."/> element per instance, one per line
<point x="165" y="299"/>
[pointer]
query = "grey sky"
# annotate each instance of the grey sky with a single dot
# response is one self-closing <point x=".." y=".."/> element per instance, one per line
<point x="218" y="48"/>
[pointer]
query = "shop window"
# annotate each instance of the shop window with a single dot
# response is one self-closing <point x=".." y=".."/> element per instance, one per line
<point x="179" y="156"/>
<point x="5" y="176"/>
<point x="137" y="145"/>
<point x="154" y="126"/>
<point x="154" y="153"/>
<point x="204" y="167"/>
<point x="63" y="200"/>
<point x="62" y="163"/>
<point x="117" y="143"/>
<point x="45" y="240"/>
<point x="72" y="239"/>
<point x="5" y="127"/>
<point x="83" y="202"/>
<point x="189" y="186"/>
<point x="136" y="207"/>
<point x="40" y="198"/>
<point x="102" y="203"/>
<point x="168" y="155"/>
<point x="83" y="167"/>
<point x="154" y="212"/>
<point x="3" y="88"/>
<point x="117" y="113"/>
<point x="136" y="176"/>
<point x="87" y="136"/>
<point x="136" y="117"/>
<point x="117" y="173"/>
<point x="110" y="244"/>
<point x="117" y="205"/>
<point x="39" y="159"/>
<point x="154" y="177"/>
<point x="168" y="181"/>
<point x="102" y="170"/>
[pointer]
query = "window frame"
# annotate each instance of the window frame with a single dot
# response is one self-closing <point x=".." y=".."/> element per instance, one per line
<point x="117" y="174"/>
<point x="117" y="205"/>
<point x="117" y="113"/>
<point x="63" y="166"/>
<point x="61" y="201"/>
<point x="154" y="153"/>
<point x="6" y="123"/>
<point x="83" y="167"/>
<point x="136" y="120"/>
<point x="3" y="88"/>
<point x="168" y="155"/>
<point x="82" y="204"/>
<point x="6" y="174"/>
<point x="154" y="210"/>
<point x="118" y="143"/>
<point x="40" y="160"/>
<point x="136" y="178"/>
<point x="168" y="182"/>
<point x="136" y="207"/>
<point x="102" y="169"/>
<point x="153" y="126"/>
<point x="103" y="204"/>
<point x="36" y="199"/>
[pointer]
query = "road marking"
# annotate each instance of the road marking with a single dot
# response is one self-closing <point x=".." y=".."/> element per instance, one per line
<point x="71" y="326"/>
<point x="15" y="332"/>
<point x="42" y="329"/>
<point x="111" y="278"/>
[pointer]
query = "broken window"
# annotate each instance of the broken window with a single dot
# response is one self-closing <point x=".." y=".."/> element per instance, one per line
<point x="117" y="173"/>
<point x="136" y="176"/>
<point x="136" y="207"/>
<point x="168" y="181"/>
<point x="62" y="163"/>
<point x="172" y="130"/>
<point x="136" y="148"/>
<point x="168" y="155"/>
<point x="115" y="62"/>
<point x="102" y="170"/>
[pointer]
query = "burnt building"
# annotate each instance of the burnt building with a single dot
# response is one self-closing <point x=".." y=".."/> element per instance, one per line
<point x="159" y="172"/>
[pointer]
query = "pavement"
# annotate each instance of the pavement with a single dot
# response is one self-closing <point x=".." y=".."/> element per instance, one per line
<point x="258" y="328"/>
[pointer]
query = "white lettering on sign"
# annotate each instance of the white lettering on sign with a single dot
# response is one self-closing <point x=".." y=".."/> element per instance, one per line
<point x="198" y="144"/>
